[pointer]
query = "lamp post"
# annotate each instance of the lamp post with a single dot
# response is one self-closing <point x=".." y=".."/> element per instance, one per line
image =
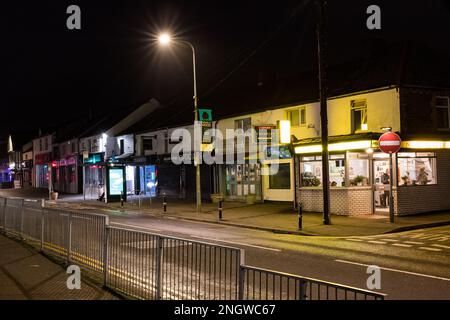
<point x="165" y="39"/>
<point x="321" y="47"/>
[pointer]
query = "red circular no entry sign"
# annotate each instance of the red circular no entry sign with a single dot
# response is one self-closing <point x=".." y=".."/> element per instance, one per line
<point x="389" y="142"/>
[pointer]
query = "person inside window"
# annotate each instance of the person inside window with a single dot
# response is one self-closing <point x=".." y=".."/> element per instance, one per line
<point x="385" y="181"/>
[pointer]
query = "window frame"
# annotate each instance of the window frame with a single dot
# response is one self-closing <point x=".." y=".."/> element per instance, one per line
<point x="431" y="155"/>
<point x="356" y="107"/>
<point x="299" y="115"/>
<point x="443" y="107"/>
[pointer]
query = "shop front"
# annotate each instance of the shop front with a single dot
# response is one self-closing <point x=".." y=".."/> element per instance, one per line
<point x="279" y="183"/>
<point x="68" y="175"/>
<point x="94" y="176"/>
<point x="42" y="164"/>
<point x="241" y="181"/>
<point x="360" y="178"/>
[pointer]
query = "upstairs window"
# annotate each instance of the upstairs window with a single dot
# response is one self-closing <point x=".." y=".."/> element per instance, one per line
<point x="244" y="124"/>
<point x="359" y="116"/>
<point x="122" y="146"/>
<point x="442" y="113"/>
<point x="147" y="144"/>
<point x="297" y="117"/>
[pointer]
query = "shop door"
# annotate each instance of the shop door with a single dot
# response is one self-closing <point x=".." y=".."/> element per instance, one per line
<point x="381" y="185"/>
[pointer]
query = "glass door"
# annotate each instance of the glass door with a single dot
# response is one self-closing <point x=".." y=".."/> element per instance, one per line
<point x="381" y="187"/>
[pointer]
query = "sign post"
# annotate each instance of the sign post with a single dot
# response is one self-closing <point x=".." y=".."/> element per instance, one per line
<point x="390" y="143"/>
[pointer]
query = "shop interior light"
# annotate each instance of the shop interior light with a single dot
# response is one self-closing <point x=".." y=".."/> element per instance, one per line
<point x="353" y="145"/>
<point x="364" y="127"/>
<point x="308" y="149"/>
<point x="425" y="144"/>
<point x="341" y="146"/>
<point x="285" y="131"/>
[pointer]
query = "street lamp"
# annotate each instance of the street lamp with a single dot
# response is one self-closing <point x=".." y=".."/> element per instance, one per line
<point x="165" y="39"/>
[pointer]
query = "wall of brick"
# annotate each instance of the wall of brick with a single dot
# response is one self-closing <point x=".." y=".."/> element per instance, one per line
<point x="343" y="201"/>
<point x="418" y="199"/>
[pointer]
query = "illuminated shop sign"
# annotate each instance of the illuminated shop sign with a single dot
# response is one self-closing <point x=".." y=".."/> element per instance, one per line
<point x="116" y="182"/>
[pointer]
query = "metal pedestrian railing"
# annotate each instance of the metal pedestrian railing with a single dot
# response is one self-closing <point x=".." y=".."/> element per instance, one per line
<point x="263" y="284"/>
<point x="150" y="266"/>
<point x="144" y="265"/>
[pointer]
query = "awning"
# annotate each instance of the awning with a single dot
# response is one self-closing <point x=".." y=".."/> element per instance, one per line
<point x="125" y="155"/>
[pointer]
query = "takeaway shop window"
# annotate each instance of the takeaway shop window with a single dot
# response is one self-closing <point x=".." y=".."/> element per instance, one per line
<point x="311" y="171"/>
<point x="281" y="179"/>
<point x="358" y="169"/>
<point x="416" y="168"/>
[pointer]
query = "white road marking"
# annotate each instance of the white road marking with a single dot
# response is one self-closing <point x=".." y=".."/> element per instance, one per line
<point x="440" y="246"/>
<point x="413" y="242"/>
<point x="389" y="240"/>
<point x="135" y="226"/>
<point x="402" y="245"/>
<point x="237" y="243"/>
<point x="396" y="270"/>
<point x="430" y="249"/>
<point x="359" y="240"/>
<point x="377" y="242"/>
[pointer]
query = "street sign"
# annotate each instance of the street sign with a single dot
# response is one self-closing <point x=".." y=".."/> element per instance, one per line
<point x="389" y="142"/>
<point x="205" y="115"/>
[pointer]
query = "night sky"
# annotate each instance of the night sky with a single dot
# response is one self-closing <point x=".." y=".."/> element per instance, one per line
<point x="51" y="75"/>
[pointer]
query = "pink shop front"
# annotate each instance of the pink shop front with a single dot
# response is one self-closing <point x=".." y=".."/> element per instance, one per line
<point x="67" y="175"/>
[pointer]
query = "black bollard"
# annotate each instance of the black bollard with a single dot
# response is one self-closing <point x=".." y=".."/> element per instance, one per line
<point x="300" y="216"/>
<point x="121" y="199"/>
<point x="220" y="210"/>
<point x="164" y="203"/>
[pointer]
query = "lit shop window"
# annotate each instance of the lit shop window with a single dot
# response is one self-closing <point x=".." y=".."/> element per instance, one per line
<point x="442" y="112"/>
<point x="358" y="169"/>
<point x="311" y="171"/>
<point x="359" y="115"/>
<point x="416" y="168"/>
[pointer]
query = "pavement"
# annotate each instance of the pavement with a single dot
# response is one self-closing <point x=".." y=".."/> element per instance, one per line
<point x="27" y="275"/>
<point x="277" y="217"/>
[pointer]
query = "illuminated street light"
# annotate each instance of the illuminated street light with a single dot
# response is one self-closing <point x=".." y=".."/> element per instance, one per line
<point x="164" y="39"/>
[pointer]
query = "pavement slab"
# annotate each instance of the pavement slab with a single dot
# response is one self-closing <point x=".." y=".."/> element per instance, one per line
<point x="27" y="275"/>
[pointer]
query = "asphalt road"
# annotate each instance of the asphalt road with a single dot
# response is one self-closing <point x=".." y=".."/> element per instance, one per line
<point x="414" y="264"/>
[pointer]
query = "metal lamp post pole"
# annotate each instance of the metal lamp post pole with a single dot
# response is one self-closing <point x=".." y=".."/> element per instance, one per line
<point x="196" y="152"/>
<point x="323" y="110"/>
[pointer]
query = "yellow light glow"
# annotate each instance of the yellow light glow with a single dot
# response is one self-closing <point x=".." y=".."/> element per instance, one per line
<point x="285" y="131"/>
<point x="425" y="144"/>
<point x="308" y="149"/>
<point x="164" y="39"/>
<point x="341" y="146"/>
<point x="364" y="127"/>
